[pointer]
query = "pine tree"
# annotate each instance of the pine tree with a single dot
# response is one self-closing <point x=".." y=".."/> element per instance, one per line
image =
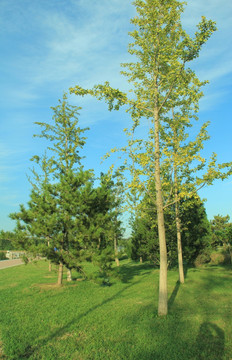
<point x="103" y="224"/>
<point x="57" y="208"/>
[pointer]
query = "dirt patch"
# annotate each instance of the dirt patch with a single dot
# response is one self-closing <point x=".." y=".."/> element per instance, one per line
<point x="2" y="356"/>
<point x="41" y="287"/>
<point x="8" y="286"/>
<point x="77" y="335"/>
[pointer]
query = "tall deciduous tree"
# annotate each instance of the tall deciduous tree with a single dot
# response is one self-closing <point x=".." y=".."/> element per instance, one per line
<point x="162" y="49"/>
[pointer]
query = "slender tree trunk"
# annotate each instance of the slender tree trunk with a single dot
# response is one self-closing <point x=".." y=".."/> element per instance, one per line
<point x="178" y="222"/>
<point x="163" y="295"/>
<point x="141" y="259"/>
<point x="60" y="274"/>
<point x="179" y="245"/>
<point x="69" y="275"/>
<point x="116" y="250"/>
<point x="49" y="264"/>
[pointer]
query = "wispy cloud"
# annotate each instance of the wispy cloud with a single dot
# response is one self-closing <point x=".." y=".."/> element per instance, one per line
<point x="49" y="46"/>
<point x="67" y="49"/>
<point x="215" y="61"/>
<point x="12" y="161"/>
<point x="86" y="43"/>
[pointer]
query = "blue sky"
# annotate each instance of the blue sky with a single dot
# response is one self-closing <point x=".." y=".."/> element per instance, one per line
<point x="49" y="46"/>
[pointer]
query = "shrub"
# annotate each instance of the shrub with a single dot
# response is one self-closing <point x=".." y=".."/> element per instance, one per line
<point x="203" y="258"/>
<point x="3" y="256"/>
<point x="220" y="258"/>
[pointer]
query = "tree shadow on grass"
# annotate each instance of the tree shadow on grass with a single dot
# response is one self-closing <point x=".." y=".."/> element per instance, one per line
<point x="172" y="337"/>
<point x="167" y="339"/>
<point x="128" y="271"/>
<point x="210" y="342"/>
<point x="175" y="291"/>
<point x="32" y="349"/>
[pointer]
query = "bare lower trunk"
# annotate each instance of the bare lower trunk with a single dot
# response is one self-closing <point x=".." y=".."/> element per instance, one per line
<point x="163" y="294"/>
<point x="141" y="259"/>
<point x="178" y="234"/>
<point x="116" y="251"/>
<point x="60" y="274"/>
<point x="179" y="246"/>
<point x="230" y="253"/>
<point x="50" y="264"/>
<point x="69" y="275"/>
<point x="178" y="222"/>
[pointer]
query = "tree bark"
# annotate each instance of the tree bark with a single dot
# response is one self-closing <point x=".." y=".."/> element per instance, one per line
<point x="69" y="275"/>
<point x="60" y="274"/>
<point x="116" y="251"/>
<point x="179" y="245"/>
<point x="177" y="213"/>
<point x="50" y="264"/>
<point x="163" y="295"/>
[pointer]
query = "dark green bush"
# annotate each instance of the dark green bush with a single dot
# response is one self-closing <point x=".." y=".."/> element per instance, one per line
<point x="203" y="258"/>
<point x="3" y="256"/>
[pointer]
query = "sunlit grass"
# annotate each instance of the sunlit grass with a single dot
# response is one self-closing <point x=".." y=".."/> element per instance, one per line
<point x="83" y="320"/>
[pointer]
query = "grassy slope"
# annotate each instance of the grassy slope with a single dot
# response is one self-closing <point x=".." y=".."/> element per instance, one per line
<point x="83" y="320"/>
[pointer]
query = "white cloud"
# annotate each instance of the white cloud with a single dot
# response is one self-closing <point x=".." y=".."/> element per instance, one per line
<point x="212" y="99"/>
<point x="58" y="50"/>
<point x="85" y="44"/>
<point x="49" y="46"/>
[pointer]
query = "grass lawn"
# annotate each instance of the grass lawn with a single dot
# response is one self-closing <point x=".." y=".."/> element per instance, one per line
<point x="83" y="320"/>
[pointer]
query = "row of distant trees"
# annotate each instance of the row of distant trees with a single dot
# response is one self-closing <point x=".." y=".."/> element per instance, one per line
<point x="200" y="237"/>
<point x="163" y="170"/>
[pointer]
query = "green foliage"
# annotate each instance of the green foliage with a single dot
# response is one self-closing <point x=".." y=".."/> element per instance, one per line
<point x="103" y="260"/>
<point x="203" y="258"/>
<point x="144" y="238"/>
<point x="25" y="259"/>
<point x="162" y="85"/>
<point x="196" y="234"/>
<point x="67" y="219"/>
<point x="3" y="255"/>
<point x="6" y="240"/>
<point x="220" y="257"/>
<point x="221" y="231"/>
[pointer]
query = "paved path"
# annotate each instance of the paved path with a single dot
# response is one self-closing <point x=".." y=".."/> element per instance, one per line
<point x="9" y="263"/>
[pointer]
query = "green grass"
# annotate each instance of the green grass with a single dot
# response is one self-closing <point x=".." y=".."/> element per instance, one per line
<point x="83" y="320"/>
